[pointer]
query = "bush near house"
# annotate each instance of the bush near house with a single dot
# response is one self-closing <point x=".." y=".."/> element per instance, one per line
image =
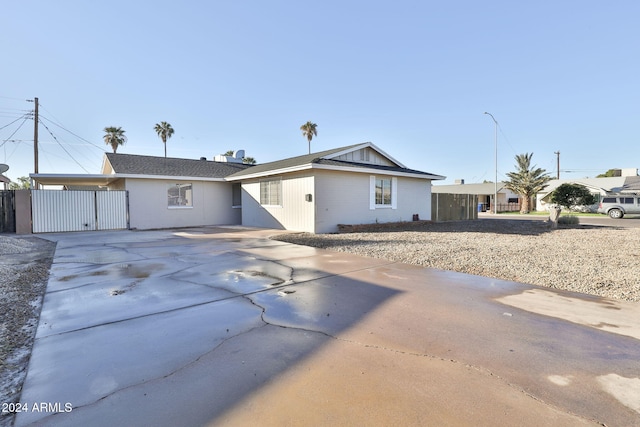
<point x="571" y="195"/>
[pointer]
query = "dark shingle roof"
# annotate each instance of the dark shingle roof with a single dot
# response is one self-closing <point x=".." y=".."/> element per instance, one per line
<point x="631" y="184"/>
<point x="370" y="166"/>
<point x="149" y="165"/>
<point x="293" y="161"/>
<point x="319" y="158"/>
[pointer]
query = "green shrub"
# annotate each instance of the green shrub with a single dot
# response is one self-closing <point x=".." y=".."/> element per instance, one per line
<point x="569" y="220"/>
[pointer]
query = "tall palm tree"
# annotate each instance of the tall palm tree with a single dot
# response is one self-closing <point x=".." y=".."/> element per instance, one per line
<point x="309" y="131"/>
<point x="527" y="181"/>
<point x="164" y="131"/>
<point x="114" y="136"/>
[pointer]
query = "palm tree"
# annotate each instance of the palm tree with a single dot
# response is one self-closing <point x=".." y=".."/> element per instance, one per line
<point x="114" y="136"/>
<point x="164" y="131"/>
<point x="527" y="181"/>
<point x="249" y="161"/>
<point x="309" y="131"/>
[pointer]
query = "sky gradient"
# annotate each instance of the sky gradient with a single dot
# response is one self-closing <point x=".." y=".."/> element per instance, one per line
<point x="413" y="77"/>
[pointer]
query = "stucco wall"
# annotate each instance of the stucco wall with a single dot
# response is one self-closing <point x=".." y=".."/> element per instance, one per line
<point x="344" y="198"/>
<point x="337" y="198"/>
<point x="148" y="205"/>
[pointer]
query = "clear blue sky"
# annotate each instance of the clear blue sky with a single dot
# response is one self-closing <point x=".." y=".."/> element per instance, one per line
<point x="413" y="77"/>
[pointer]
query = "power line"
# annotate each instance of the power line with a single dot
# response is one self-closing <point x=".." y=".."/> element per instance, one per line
<point x="14" y="132"/>
<point x="25" y="116"/>
<point x="61" y="146"/>
<point x="67" y="130"/>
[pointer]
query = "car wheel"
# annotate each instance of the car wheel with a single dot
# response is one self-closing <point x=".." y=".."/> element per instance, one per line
<point x="616" y="213"/>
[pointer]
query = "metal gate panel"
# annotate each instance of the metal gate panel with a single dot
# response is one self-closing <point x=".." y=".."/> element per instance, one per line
<point x="57" y="211"/>
<point x="111" y="210"/>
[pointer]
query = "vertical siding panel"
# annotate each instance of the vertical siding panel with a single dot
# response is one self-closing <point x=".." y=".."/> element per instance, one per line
<point x="112" y="210"/>
<point x="57" y="211"/>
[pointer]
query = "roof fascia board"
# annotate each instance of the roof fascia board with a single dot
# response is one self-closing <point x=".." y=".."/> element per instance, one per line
<point x="280" y="171"/>
<point x="114" y="177"/>
<point x="168" y="177"/>
<point x="377" y="171"/>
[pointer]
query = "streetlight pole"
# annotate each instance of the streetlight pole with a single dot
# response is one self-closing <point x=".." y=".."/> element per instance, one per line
<point x="495" y="187"/>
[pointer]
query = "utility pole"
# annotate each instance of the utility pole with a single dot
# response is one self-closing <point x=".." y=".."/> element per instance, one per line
<point x="557" y="153"/>
<point x="35" y="139"/>
<point x="495" y="184"/>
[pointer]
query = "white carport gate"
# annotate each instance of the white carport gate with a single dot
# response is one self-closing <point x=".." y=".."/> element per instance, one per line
<point x="56" y="211"/>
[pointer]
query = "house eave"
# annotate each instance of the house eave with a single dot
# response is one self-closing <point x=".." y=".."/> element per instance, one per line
<point x="107" y="179"/>
<point x="310" y="166"/>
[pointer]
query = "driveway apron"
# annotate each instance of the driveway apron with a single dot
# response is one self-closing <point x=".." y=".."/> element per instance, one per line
<point x="223" y="326"/>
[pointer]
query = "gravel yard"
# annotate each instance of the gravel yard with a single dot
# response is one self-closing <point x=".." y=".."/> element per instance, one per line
<point x="24" y="271"/>
<point x="600" y="261"/>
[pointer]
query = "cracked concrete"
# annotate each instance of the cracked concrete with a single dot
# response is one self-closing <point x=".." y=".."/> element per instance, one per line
<point x="216" y="326"/>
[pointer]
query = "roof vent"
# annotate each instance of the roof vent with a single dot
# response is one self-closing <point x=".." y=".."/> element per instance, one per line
<point x="203" y="158"/>
<point x="236" y="158"/>
<point x="459" y="181"/>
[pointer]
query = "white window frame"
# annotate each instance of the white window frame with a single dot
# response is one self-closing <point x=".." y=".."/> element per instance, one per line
<point x="372" y="192"/>
<point x="188" y="195"/>
<point x="274" y="185"/>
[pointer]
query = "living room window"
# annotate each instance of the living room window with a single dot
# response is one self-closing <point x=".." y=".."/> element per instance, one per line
<point x="180" y="195"/>
<point x="271" y="192"/>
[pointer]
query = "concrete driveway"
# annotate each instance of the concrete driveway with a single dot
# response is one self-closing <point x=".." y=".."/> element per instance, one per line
<point x="222" y="326"/>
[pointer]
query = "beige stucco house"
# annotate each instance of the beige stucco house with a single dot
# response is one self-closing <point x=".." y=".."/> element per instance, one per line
<point x="356" y="184"/>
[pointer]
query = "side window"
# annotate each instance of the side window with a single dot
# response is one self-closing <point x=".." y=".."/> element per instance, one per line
<point x="271" y="192"/>
<point x="180" y="195"/>
<point x="627" y="200"/>
<point x="609" y="200"/>
<point x="236" y="194"/>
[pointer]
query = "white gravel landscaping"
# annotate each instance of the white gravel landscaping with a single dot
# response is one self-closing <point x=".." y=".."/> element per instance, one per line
<point x="603" y="261"/>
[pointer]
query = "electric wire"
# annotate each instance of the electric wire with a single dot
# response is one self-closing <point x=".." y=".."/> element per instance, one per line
<point x="25" y="116"/>
<point x="14" y="132"/>
<point x="61" y="146"/>
<point x="67" y="130"/>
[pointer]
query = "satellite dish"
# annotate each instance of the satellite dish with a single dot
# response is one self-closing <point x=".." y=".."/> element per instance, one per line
<point x="3" y="168"/>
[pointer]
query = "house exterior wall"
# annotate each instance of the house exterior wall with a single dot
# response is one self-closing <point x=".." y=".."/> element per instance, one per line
<point x="344" y="198"/>
<point x="148" y="207"/>
<point x="295" y="212"/>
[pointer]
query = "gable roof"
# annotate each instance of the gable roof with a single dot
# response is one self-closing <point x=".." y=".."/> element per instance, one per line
<point x="327" y="160"/>
<point x="133" y="164"/>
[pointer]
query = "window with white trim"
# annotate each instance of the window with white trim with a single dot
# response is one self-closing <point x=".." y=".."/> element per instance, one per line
<point x="180" y="195"/>
<point x="271" y="192"/>
<point x="383" y="192"/>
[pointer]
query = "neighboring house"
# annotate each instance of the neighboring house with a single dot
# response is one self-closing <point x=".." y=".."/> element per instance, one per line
<point x="356" y="184"/>
<point x="507" y="199"/>
<point x="598" y="186"/>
